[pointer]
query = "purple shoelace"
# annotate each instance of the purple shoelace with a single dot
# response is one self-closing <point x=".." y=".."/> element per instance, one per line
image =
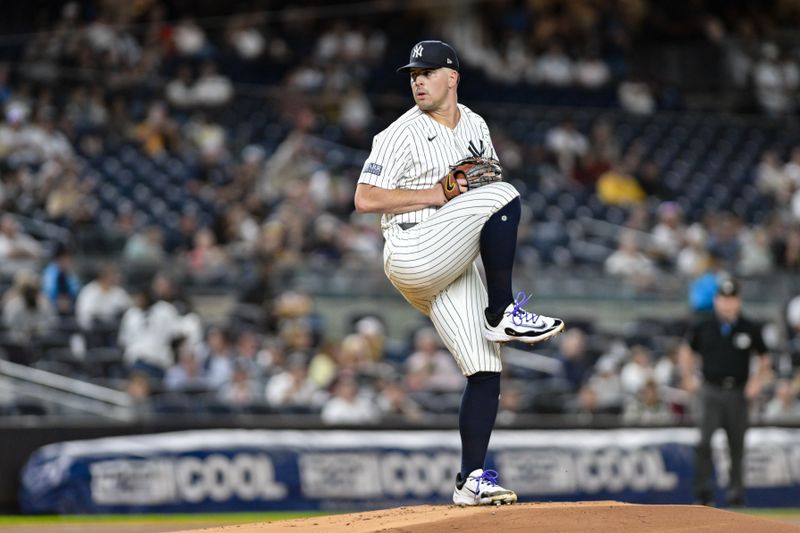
<point x="488" y="476"/>
<point x="518" y="314"/>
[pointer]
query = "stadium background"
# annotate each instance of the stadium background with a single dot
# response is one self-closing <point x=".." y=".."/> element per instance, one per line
<point x="203" y="158"/>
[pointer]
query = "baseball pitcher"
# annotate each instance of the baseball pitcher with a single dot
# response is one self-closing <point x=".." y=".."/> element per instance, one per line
<point x="434" y="175"/>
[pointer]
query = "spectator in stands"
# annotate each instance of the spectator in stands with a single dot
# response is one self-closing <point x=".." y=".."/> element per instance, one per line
<point x="647" y="407"/>
<point x="617" y="186"/>
<point x="187" y="373"/>
<point x="101" y="304"/>
<point x="179" y="91"/>
<point x="393" y="401"/>
<point x="296" y="335"/>
<point x="190" y="40"/>
<point x="244" y="36"/>
<point x="292" y="388"/>
<point x="785" y="405"/>
<point x="553" y="67"/>
<point x="212" y="89"/>
<point x="629" y="264"/>
<point x="703" y="287"/>
<point x="181" y="238"/>
<point x="665" y="371"/>
<point x="591" y="71"/>
<point x="637" y="371"/>
<point x="572" y="355"/>
<point x="724" y="239"/>
<point x="585" y="403"/>
<point x="27" y="313"/>
<point x="511" y="402"/>
<point x="206" y="262"/>
<point x="739" y="48"/>
<point x="66" y="201"/>
<point x="373" y="331"/>
<point x="568" y="144"/>
<point x="257" y="294"/>
<point x="217" y="357"/>
<point x="355" y="114"/>
<point x="771" y="178"/>
<point x="755" y="257"/>
<point x="348" y="404"/>
<point x="248" y="352"/>
<point x="146" y="333"/>
<point x="603" y="150"/>
<point x="18" y="250"/>
<point x="669" y="233"/>
<point x="603" y="141"/>
<point x="322" y="369"/>
<point x="638" y="220"/>
<point x="353" y="355"/>
<point x="693" y="256"/>
<point x="157" y="133"/>
<point x="429" y="368"/>
<point x="18" y="138"/>
<point x="145" y="248"/>
<point x="52" y="144"/>
<point x="208" y="138"/>
<point x="139" y="389"/>
<point x="606" y="386"/>
<point x="240" y="232"/>
<point x="785" y="245"/>
<point x="60" y="283"/>
<point x="792" y="168"/>
<point x="242" y="390"/>
<point x="636" y="96"/>
<point x="776" y="80"/>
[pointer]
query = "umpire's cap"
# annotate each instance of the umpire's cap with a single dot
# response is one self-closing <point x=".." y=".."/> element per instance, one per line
<point x="728" y="287"/>
<point x="431" y="54"/>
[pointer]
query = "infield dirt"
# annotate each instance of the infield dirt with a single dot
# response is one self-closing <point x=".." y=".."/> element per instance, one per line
<point x="588" y="517"/>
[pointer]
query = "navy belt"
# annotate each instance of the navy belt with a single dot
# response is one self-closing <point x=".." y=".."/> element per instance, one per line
<point x="407" y="225"/>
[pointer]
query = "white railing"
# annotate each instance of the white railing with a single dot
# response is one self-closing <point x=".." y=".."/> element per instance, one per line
<point x="64" y="392"/>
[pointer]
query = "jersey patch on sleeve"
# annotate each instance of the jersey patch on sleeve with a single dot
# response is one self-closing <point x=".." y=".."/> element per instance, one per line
<point x="374" y="168"/>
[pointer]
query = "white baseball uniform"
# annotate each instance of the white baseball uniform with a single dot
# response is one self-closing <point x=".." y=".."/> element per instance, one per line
<point x="430" y="253"/>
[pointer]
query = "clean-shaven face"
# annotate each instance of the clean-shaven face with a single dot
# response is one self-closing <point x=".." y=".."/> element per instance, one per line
<point x="429" y="87"/>
<point x="727" y="307"/>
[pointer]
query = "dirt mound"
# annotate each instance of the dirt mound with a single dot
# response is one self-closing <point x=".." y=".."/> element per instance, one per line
<point x="587" y="517"/>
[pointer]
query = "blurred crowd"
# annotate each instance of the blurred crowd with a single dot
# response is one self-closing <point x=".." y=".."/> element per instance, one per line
<point x="144" y="153"/>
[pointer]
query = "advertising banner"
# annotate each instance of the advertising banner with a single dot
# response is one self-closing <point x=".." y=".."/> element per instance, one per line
<point x="259" y="470"/>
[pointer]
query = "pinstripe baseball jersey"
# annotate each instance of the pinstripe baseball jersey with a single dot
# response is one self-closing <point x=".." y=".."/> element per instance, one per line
<point x="415" y="152"/>
<point x="432" y="263"/>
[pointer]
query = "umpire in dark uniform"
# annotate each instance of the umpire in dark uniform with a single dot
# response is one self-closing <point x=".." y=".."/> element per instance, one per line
<point x="724" y="342"/>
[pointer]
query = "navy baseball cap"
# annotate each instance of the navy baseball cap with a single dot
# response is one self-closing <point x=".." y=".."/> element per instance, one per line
<point x="431" y="54"/>
<point x="728" y="287"/>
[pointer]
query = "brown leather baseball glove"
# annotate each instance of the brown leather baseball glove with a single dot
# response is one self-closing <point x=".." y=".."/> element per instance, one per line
<point x="477" y="171"/>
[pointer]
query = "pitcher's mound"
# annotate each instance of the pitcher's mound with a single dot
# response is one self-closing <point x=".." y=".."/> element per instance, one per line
<point x="585" y="517"/>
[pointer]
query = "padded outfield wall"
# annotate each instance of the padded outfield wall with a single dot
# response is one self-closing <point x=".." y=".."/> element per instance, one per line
<point x="257" y="470"/>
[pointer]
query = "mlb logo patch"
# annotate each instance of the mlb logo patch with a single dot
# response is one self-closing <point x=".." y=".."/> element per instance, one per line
<point x="374" y="168"/>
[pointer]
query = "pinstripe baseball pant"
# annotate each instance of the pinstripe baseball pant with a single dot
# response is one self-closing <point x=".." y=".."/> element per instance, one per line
<point x="433" y="266"/>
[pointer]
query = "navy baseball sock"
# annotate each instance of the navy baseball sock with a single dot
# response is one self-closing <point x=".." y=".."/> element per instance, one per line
<point x="498" y="247"/>
<point x="476" y="418"/>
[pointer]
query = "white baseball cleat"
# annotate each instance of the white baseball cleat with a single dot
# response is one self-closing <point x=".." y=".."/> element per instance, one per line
<point x="481" y="488"/>
<point x="518" y="324"/>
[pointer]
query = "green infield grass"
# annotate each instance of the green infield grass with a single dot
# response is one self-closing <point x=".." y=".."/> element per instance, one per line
<point x="211" y="518"/>
<point x="778" y="513"/>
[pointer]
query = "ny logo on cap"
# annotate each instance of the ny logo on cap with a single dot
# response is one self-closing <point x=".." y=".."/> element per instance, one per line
<point x="417" y="51"/>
